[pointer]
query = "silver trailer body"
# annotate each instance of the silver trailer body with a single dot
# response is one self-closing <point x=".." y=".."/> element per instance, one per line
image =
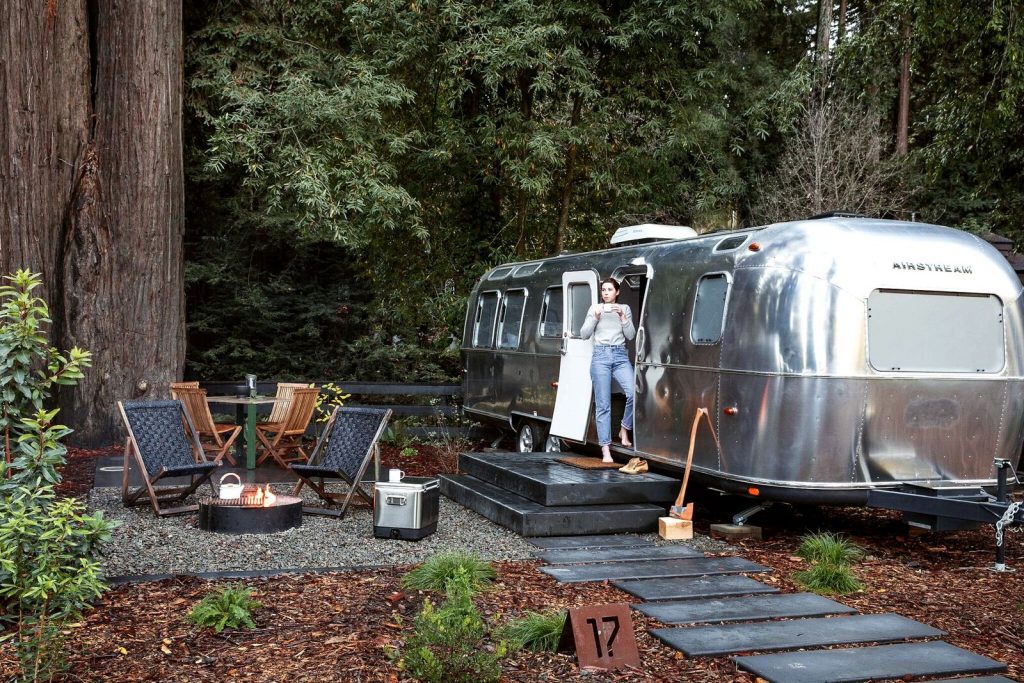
<point x="833" y="355"/>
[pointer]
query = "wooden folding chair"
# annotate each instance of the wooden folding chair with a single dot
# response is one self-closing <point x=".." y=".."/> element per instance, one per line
<point x="182" y="385"/>
<point x="282" y="440"/>
<point x="161" y="439"/>
<point x="221" y="435"/>
<point x="285" y="391"/>
<point x="343" y="452"/>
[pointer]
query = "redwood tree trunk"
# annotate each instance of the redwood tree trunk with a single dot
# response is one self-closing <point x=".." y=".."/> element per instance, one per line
<point x="903" y="117"/>
<point x="102" y="216"/>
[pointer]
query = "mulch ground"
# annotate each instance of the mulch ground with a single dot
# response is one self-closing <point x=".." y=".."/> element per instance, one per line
<point x="341" y="627"/>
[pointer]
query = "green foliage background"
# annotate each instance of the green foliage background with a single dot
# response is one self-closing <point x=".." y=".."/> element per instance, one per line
<point x="354" y="166"/>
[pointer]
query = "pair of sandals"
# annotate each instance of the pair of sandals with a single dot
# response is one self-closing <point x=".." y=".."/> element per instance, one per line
<point x="634" y="466"/>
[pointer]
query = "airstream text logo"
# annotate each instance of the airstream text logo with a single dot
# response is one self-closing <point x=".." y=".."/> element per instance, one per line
<point x="934" y="267"/>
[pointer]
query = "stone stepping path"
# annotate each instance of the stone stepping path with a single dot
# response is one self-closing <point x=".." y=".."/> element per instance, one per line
<point x="710" y="641"/>
<point x="747" y="608"/>
<point x="935" y="658"/>
<point x="693" y="587"/>
<point x="649" y="569"/>
<point x="618" y="555"/>
<point x="577" y="542"/>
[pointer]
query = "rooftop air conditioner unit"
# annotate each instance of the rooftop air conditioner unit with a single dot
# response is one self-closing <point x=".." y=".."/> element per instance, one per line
<point x="651" y="232"/>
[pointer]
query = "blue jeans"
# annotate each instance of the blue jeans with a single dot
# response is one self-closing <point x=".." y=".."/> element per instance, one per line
<point x="608" y="362"/>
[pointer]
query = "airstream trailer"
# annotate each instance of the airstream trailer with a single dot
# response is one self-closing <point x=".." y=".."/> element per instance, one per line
<point x="834" y="355"/>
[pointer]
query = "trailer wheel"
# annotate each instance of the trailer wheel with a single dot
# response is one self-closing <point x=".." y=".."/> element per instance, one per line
<point x="529" y="437"/>
<point x="553" y="445"/>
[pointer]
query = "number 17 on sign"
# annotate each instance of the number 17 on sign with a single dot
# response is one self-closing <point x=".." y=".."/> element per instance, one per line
<point x="602" y="636"/>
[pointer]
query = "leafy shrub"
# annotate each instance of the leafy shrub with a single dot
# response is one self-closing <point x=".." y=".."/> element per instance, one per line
<point x="448" y="645"/>
<point x="230" y="607"/>
<point x="49" y="571"/>
<point x="439" y="570"/>
<point x="829" y="579"/>
<point x="829" y="548"/>
<point x="536" y="631"/>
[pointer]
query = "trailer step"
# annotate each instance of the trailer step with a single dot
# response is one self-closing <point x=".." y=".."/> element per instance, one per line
<point x="528" y="518"/>
<point x="867" y="663"/>
<point x="541" y="478"/>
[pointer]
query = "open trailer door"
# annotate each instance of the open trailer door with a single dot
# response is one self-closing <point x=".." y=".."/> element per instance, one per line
<point x="573" y="398"/>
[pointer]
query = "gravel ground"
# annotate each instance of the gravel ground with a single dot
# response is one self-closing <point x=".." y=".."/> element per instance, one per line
<point x="147" y="544"/>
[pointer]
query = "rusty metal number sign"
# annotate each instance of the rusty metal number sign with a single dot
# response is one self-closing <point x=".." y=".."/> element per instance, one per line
<point x="602" y="636"/>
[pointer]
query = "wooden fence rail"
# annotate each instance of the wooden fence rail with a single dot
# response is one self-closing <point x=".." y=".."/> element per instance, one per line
<point x="362" y="394"/>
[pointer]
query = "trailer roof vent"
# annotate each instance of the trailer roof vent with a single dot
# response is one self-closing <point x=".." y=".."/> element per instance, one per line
<point x="651" y="232"/>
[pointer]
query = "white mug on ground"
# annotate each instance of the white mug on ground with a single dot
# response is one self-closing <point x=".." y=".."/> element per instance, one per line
<point x="395" y="475"/>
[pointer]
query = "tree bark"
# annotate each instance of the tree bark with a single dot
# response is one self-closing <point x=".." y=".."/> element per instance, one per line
<point x="570" y="176"/>
<point x="101" y="214"/>
<point x="903" y="119"/>
<point x="45" y="115"/>
<point x="841" y="30"/>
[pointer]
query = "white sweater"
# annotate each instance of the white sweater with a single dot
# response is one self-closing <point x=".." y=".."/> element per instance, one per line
<point x="608" y="331"/>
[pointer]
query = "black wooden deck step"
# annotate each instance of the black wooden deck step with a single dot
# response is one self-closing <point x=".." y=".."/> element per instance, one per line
<point x="582" y="542"/>
<point x="541" y="478"/>
<point x="973" y="679"/>
<point x="650" y="569"/>
<point x="867" y="663"/>
<point x="593" y="555"/>
<point x="747" y="608"/>
<point x="710" y="641"/>
<point x="693" y="588"/>
<point x="527" y="518"/>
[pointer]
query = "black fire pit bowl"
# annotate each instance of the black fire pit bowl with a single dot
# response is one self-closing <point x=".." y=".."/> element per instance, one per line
<point x="226" y="518"/>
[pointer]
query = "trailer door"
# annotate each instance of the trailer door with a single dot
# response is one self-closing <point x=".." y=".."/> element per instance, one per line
<point x="573" y="398"/>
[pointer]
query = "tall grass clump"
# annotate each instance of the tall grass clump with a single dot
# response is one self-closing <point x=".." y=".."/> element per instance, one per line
<point x="828" y="548"/>
<point x="437" y="571"/>
<point x="830" y="556"/>
<point x="538" y="631"/>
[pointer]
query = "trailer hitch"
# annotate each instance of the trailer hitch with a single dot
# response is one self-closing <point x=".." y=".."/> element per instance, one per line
<point x="979" y="506"/>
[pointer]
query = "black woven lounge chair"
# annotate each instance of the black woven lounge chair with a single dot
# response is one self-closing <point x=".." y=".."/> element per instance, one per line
<point x="164" y="442"/>
<point x="343" y="452"/>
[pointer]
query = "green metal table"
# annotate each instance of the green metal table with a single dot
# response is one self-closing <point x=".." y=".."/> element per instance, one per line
<point x="249" y="403"/>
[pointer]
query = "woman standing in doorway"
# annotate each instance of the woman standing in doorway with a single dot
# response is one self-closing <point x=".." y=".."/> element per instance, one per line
<point x="611" y="324"/>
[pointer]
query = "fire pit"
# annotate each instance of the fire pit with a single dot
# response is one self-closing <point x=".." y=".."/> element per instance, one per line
<point x="256" y="511"/>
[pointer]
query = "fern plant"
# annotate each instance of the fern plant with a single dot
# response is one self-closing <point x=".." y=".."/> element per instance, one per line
<point x="230" y="607"/>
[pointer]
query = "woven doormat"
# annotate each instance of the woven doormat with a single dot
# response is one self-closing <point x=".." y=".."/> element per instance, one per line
<point x="586" y="463"/>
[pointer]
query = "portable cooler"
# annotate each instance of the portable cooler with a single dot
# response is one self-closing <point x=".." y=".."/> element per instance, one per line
<point x="406" y="509"/>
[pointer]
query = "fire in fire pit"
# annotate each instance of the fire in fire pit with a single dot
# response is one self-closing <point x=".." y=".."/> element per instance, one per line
<point x="257" y="511"/>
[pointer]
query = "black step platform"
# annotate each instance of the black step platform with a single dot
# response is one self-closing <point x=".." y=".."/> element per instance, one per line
<point x="747" y="608"/>
<point x="580" y="542"/>
<point x="866" y="663"/>
<point x="709" y="641"/>
<point x="693" y="588"/>
<point x="541" y="478"/>
<point x="650" y="569"/>
<point x="528" y="518"/>
<point x="593" y="555"/>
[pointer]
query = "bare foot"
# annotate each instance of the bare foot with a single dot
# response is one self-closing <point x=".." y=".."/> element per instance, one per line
<point x="606" y="454"/>
<point x="624" y="437"/>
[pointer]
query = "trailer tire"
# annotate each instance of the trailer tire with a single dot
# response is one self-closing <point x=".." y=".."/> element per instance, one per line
<point x="552" y="444"/>
<point x="529" y="436"/>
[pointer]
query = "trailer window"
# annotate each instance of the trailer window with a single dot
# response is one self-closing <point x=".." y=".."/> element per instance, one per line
<point x="511" y="318"/>
<point x="935" y="332"/>
<point x="709" y="309"/>
<point x="580" y="297"/>
<point x="486" y="312"/>
<point x="551" y="313"/>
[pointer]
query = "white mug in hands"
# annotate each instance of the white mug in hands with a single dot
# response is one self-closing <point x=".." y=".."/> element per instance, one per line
<point x="607" y="308"/>
<point x="395" y="475"/>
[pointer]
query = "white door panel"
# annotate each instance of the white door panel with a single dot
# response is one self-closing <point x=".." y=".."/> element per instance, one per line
<point x="575" y="391"/>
